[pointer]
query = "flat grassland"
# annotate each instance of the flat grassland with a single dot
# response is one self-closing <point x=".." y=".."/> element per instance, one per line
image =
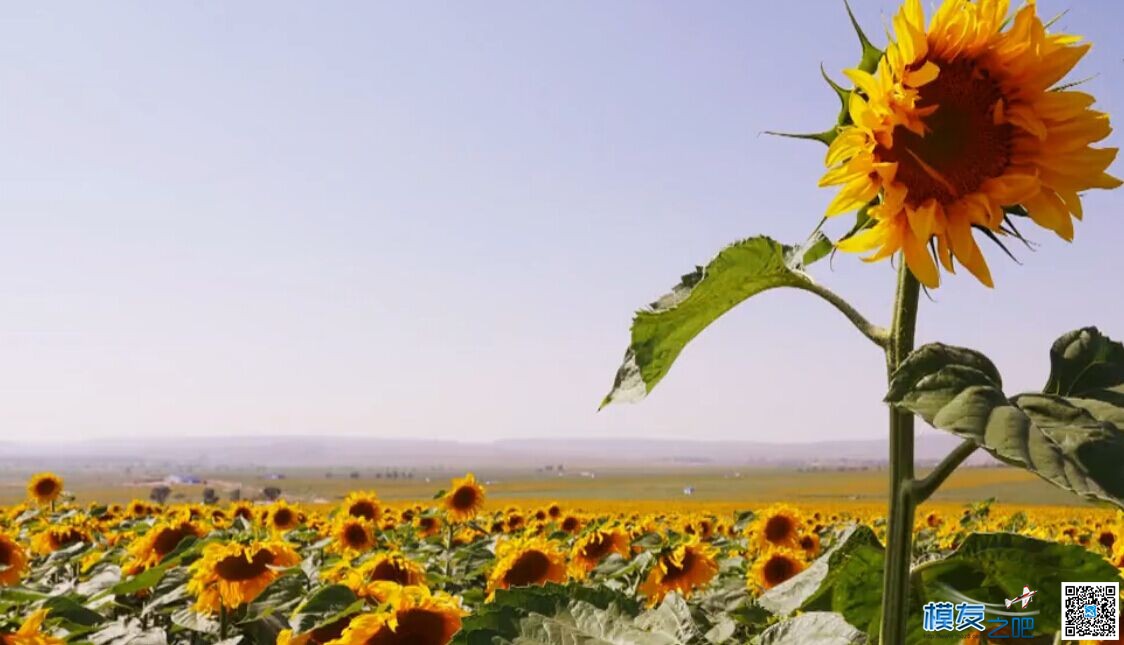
<point x="717" y="489"/>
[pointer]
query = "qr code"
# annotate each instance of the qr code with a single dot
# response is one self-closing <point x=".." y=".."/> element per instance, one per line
<point x="1090" y="610"/>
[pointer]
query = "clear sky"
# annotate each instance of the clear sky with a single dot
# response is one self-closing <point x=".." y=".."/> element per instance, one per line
<point x="434" y="220"/>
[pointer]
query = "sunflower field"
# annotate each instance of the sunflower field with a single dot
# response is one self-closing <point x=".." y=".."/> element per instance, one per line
<point x="457" y="570"/>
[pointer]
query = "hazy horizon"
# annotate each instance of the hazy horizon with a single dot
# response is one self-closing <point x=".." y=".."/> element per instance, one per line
<point x="435" y="221"/>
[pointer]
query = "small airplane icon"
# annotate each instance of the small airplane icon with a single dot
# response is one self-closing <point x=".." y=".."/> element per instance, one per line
<point x="1024" y="599"/>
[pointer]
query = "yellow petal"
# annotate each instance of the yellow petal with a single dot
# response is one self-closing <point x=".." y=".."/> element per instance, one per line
<point x="920" y="262"/>
<point x="1048" y="211"/>
<point x="927" y="73"/>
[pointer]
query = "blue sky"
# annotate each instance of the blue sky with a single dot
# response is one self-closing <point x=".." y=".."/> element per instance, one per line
<point x="435" y="220"/>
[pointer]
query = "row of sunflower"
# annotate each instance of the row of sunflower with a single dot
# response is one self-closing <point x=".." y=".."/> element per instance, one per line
<point x="366" y="572"/>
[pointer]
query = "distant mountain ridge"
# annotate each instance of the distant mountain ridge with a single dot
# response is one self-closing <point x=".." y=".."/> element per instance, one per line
<point x="345" y="451"/>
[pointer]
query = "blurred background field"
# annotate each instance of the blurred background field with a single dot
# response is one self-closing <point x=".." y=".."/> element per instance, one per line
<point x="713" y="488"/>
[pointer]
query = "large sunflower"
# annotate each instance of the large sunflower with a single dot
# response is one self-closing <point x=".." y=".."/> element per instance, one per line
<point x="775" y="526"/>
<point x="684" y="568"/>
<point x="234" y="574"/>
<point x="352" y="535"/>
<point x="13" y="561"/>
<point x="149" y="549"/>
<point x="363" y="504"/>
<point x="595" y="546"/>
<point x="465" y="498"/>
<point x="31" y="632"/>
<point x="774" y="567"/>
<point x="388" y="567"/>
<point x="58" y="536"/>
<point x="526" y="561"/>
<point x="283" y="517"/>
<point x="415" y="617"/>
<point x="959" y="123"/>
<point x="44" y="488"/>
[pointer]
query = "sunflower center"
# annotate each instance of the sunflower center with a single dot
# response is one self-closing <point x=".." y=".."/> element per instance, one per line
<point x="66" y="537"/>
<point x="963" y="146"/>
<point x="597" y="547"/>
<point x="330" y="632"/>
<point x="6" y="554"/>
<point x="388" y="570"/>
<point x="355" y="535"/>
<point x="283" y="517"/>
<point x="677" y="571"/>
<point x="415" y="627"/>
<point x="168" y="539"/>
<point x="778" y="528"/>
<point x="364" y="509"/>
<point x="236" y="568"/>
<point x="778" y="569"/>
<point x="570" y="524"/>
<point x="464" y="498"/>
<point x="1107" y="539"/>
<point x="45" y="487"/>
<point x="529" y="568"/>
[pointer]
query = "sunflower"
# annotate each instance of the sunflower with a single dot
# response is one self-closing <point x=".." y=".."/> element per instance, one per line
<point x="13" y="561"/>
<point x="427" y="525"/>
<point x="244" y="510"/>
<point x="810" y="545"/>
<point x="569" y="524"/>
<point x="776" y="526"/>
<point x="233" y="574"/>
<point x="30" y="632"/>
<point x="44" y="488"/>
<point x="139" y="508"/>
<point x="163" y="538"/>
<point x="60" y="536"/>
<point x="554" y="510"/>
<point x="595" y="546"/>
<point x="465" y="498"/>
<point x="352" y="535"/>
<point x="961" y="126"/>
<point x="364" y="504"/>
<point x="774" y="567"/>
<point x="526" y="561"/>
<point x="683" y="568"/>
<point x="282" y="517"/>
<point x="390" y="566"/>
<point x="415" y="617"/>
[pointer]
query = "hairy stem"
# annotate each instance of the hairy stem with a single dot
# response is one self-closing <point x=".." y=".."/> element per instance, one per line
<point x="899" y="539"/>
<point x="925" y="488"/>
<point x="878" y="335"/>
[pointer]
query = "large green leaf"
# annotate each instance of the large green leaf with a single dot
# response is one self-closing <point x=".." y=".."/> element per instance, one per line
<point x="500" y="620"/>
<point x="741" y="270"/>
<point x="584" y="623"/>
<point x="1087" y="367"/>
<point x="1073" y="442"/>
<point x="991" y="567"/>
<point x="325" y="606"/>
<point x="821" y="627"/>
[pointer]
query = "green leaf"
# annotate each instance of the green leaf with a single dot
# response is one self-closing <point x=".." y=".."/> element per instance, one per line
<point x="72" y="611"/>
<point x="991" y="567"/>
<point x="738" y="272"/>
<point x="325" y="606"/>
<point x="1071" y="443"/>
<point x="582" y="622"/>
<point x="820" y="627"/>
<point x="501" y="619"/>
<point x="1085" y="363"/>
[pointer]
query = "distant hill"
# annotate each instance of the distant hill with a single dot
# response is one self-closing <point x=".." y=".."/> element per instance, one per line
<point x="344" y="451"/>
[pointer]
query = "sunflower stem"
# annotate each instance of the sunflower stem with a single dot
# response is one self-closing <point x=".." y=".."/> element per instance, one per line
<point x="223" y="622"/>
<point x="878" y="335"/>
<point x="930" y="483"/>
<point x="903" y="493"/>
